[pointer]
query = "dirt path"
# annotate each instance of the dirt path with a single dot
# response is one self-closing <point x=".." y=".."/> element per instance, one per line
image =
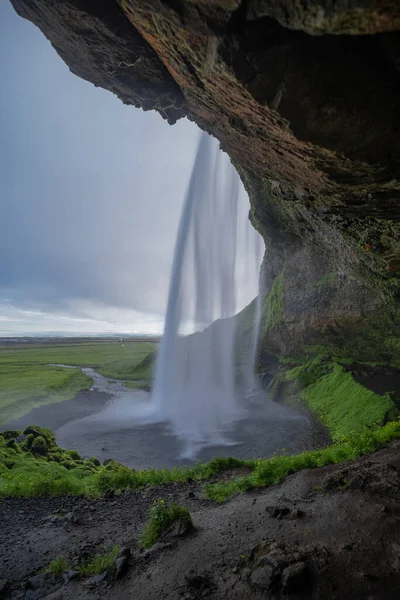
<point x="334" y="535"/>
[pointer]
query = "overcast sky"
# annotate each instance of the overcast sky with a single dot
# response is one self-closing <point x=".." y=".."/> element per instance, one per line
<point x="90" y="197"/>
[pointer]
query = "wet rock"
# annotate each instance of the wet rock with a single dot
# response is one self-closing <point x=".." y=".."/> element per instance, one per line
<point x="97" y="579"/>
<point x="394" y="462"/>
<point x="125" y="551"/>
<point x="42" y="581"/>
<point x="69" y="576"/>
<point x="277" y="512"/>
<point x="263" y="577"/>
<point x="295" y="578"/>
<point x="178" y="529"/>
<point x="396" y="556"/>
<point x="199" y="582"/>
<point x="58" y="595"/>
<point x="121" y="566"/>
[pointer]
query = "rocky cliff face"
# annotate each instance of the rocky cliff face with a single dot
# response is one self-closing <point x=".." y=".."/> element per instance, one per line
<point x="304" y="97"/>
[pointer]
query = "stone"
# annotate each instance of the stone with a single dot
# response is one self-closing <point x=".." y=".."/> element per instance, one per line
<point x="178" y="529"/>
<point x="69" y="576"/>
<point x="125" y="551"/>
<point x="97" y="579"/>
<point x="43" y="581"/>
<point x="277" y="512"/>
<point x="295" y="578"/>
<point x="121" y="566"/>
<point x="262" y="577"/>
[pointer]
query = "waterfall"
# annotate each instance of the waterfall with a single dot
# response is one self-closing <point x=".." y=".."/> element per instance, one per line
<point x="195" y="385"/>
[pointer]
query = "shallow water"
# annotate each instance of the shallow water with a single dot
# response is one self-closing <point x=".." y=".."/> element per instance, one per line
<point x="114" y="433"/>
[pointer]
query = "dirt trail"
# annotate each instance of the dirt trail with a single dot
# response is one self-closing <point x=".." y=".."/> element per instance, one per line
<point x="336" y="529"/>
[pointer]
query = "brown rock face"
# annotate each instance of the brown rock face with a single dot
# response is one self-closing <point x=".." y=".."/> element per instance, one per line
<point x="304" y="97"/>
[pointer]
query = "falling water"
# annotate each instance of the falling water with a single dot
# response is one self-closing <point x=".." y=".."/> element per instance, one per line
<point x="195" y="387"/>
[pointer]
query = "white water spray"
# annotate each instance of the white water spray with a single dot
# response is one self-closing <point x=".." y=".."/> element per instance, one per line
<point x="195" y="387"/>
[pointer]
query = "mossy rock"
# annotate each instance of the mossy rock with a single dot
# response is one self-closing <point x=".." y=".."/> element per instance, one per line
<point x="27" y="445"/>
<point x="74" y="455"/>
<point x="11" y="434"/>
<point x="40" y="446"/>
<point x="95" y="461"/>
<point x="43" y="432"/>
<point x="14" y="445"/>
<point x="68" y="464"/>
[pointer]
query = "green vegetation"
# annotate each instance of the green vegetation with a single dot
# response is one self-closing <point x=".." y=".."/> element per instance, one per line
<point x="58" y="566"/>
<point x="274" y="308"/>
<point x="31" y="464"/>
<point x="26" y="381"/>
<point x="93" y="565"/>
<point x="340" y="403"/>
<point x="25" y="472"/>
<point x="273" y="470"/>
<point x="162" y="516"/>
<point x="326" y="279"/>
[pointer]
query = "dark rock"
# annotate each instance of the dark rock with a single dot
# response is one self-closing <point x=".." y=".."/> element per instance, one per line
<point x="121" y="566"/>
<point x="44" y="581"/>
<point x="263" y="577"/>
<point x="69" y="576"/>
<point x="325" y="194"/>
<point x="394" y="462"/>
<point x="178" y="529"/>
<point x="277" y="512"/>
<point x="296" y="578"/>
<point x="97" y="579"/>
<point x="125" y="551"/>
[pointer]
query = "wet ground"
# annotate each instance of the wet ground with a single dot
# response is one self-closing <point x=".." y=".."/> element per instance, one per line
<point x="103" y="422"/>
<point x="310" y="538"/>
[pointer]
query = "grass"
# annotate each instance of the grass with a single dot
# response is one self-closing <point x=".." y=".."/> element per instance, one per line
<point x="355" y="416"/>
<point x="344" y="406"/>
<point x="26" y="381"/>
<point x="340" y="403"/>
<point x="272" y="471"/>
<point x="96" y="565"/>
<point x="58" y="566"/>
<point x="162" y="516"/>
<point x="93" y="565"/>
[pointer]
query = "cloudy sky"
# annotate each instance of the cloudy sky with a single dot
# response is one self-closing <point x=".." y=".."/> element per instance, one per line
<point x="90" y="198"/>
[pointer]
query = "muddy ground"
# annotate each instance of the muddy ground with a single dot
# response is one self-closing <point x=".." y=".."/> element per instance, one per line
<point x="322" y="534"/>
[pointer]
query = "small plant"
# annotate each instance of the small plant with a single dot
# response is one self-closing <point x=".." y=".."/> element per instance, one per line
<point x="162" y="516"/>
<point x="95" y="565"/>
<point x="58" y="566"/>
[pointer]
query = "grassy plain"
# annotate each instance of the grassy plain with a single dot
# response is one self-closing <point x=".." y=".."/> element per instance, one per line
<point x="26" y="380"/>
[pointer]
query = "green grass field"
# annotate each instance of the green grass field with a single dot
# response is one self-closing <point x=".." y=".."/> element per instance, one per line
<point x="26" y="381"/>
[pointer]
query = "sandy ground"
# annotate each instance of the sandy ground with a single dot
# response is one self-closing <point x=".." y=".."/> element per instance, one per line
<point x="330" y="533"/>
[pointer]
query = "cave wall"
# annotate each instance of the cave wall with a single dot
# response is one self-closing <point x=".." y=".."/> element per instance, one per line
<point x="304" y="97"/>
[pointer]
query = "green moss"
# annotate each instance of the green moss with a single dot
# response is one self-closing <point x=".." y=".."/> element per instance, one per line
<point x="344" y="406"/>
<point x="340" y="403"/>
<point x="40" y="445"/>
<point x="326" y="280"/>
<point x="274" y="307"/>
<point x="74" y="455"/>
<point x="162" y="516"/>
